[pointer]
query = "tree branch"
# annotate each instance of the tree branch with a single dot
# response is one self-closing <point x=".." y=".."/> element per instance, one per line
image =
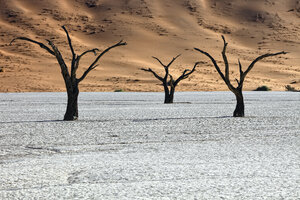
<point x="73" y="64"/>
<point x="214" y="62"/>
<point x="77" y="60"/>
<point x="95" y="66"/>
<point x="185" y="74"/>
<point x="167" y="66"/>
<point x="70" y="42"/>
<point x="227" y="81"/>
<point x="225" y="59"/>
<point x="155" y="74"/>
<point x="92" y="66"/>
<point x="62" y="64"/>
<point x="159" y="61"/>
<point x="170" y="63"/>
<point x="171" y="82"/>
<point x="240" y="83"/>
<point x="173" y="60"/>
<point x="256" y="60"/>
<point x="89" y="51"/>
<point x="240" y="67"/>
<point x="35" y="42"/>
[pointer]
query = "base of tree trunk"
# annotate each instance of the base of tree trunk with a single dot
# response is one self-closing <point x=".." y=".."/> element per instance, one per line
<point x="240" y="107"/>
<point x="169" y="97"/>
<point x="168" y="100"/>
<point x="238" y="113"/>
<point x="72" y="107"/>
<point x="70" y="118"/>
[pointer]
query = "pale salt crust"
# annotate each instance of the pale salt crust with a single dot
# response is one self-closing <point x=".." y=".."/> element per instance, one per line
<point x="132" y="146"/>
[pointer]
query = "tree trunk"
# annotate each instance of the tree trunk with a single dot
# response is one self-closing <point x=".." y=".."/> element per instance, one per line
<point x="169" y="98"/>
<point x="240" y="107"/>
<point x="169" y="95"/>
<point x="72" y="107"/>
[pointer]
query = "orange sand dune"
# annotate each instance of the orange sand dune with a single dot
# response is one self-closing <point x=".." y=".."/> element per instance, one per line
<point x="161" y="28"/>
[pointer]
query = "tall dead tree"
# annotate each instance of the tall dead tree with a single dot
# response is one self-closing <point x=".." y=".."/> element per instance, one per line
<point x="70" y="76"/>
<point x="238" y="91"/>
<point x="168" y="82"/>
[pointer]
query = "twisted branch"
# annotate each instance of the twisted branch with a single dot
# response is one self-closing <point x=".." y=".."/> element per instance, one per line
<point x="35" y="42"/>
<point x="185" y="74"/>
<point x="94" y="64"/>
<point x="243" y="75"/>
<point x="154" y="73"/>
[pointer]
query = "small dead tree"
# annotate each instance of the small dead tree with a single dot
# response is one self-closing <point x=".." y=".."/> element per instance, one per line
<point x="238" y="91"/>
<point x="168" y="82"/>
<point x="69" y="76"/>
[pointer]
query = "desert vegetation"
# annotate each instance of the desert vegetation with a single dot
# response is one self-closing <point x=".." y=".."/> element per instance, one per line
<point x="263" y="88"/>
<point x="238" y="90"/>
<point x="291" y="88"/>
<point x="168" y="82"/>
<point x="70" y="76"/>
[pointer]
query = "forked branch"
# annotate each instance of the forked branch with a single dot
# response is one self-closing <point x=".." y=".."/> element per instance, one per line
<point x="215" y="65"/>
<point x="170" y="85"/>
<point x="238" y="91"/>
<point x="73" y="65"/>
<point x="166" y="67"/>
<point x="172" y="82"/>
<point x="94" y="64"/>
<point x="60" y="60"/>
<point x="89" y="51"/>
<point x="225" y="77"/>
<point x="71" y="81"/>
<point x="186" y="73"/>
<point x="77" y="60"/>
<point x="244" y="74"/>
<point x="170" y="63"/>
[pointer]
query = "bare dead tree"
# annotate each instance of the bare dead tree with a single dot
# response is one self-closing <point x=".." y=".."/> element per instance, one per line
<point x="238" y="91"/>
<point x="168" y="82"/>
<point x="70" y="76"/>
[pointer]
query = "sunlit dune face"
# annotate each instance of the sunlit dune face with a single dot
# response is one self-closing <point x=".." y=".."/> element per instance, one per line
<point x="151" y="28"/>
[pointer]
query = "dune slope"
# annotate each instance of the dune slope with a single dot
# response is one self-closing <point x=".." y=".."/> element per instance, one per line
<point x="152" y="28"/>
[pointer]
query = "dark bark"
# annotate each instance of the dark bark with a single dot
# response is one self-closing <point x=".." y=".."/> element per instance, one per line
<point x="169" y="98"/>
<point x="72" y="106"/>
<point x="240" y="106"/>
<point x="238" y="91"/>
<point x="170" y="84"/>
<point x="169" y="95"/>
<point x="71" y="81"/>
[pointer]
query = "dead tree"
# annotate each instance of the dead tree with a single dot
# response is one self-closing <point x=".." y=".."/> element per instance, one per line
<point x="168" y="82"/>
<point x="238" y="91"/>
<point x="69" y="76"/>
